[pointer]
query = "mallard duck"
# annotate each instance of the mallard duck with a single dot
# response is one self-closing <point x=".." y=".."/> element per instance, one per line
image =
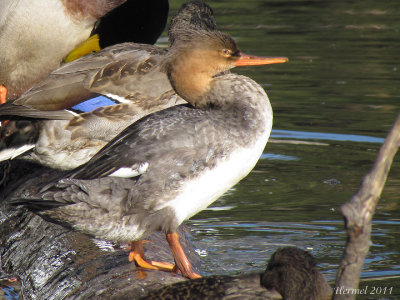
<point x="144" y="22"/>
<point x="35" y="35"/>
<point x="133" y="21"/>
<point x="291" y="274"/>
<point x="173" y="163"/>
<point x="129" y="74"/>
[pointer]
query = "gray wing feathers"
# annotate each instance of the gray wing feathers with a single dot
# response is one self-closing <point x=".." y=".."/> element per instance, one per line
<point x="100" y="193"/>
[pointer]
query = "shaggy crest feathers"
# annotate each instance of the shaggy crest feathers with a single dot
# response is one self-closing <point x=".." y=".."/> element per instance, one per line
<point x="196" y="15"/>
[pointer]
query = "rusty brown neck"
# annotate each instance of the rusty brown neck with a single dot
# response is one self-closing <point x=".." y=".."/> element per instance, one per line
<point x="191" y="76"/>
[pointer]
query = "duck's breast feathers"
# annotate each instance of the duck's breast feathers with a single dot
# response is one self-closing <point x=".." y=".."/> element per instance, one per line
<point x="6" y="9"/>
<point x="243" y="94"/>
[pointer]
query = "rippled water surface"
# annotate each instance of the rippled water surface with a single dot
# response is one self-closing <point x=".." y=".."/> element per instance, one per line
<point x="334" y="103"/>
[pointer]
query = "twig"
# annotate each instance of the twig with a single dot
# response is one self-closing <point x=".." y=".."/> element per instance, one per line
<point x="358" y="214"/>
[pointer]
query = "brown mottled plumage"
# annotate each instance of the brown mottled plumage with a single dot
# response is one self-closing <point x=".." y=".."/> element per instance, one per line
<point x="291" y="274"/>
<point x="215" y="287"/>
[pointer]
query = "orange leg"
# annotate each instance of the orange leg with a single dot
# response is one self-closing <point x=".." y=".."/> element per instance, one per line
<point x="3" y="94"/>
<point x="137" y="254"/>
<point x="181" y="260"/>
<point x="3" y="99"/>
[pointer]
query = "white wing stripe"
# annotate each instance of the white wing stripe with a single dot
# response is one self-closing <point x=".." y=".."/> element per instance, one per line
<point x="129" y="172"/>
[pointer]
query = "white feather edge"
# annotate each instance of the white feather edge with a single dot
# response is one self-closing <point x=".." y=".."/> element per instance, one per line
<point x="12" y="153"/>
<point x="72" y="112"/>
<point x="129" y="172"/>
<point x="118" y="98"/>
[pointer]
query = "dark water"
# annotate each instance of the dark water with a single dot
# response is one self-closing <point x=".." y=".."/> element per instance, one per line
<point x="334" y="103"/>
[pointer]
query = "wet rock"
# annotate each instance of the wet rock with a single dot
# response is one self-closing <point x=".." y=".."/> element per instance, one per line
<point x="53" y="262"/>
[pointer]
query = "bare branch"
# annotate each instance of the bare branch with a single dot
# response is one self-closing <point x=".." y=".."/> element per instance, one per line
<point x="358" y="214"/>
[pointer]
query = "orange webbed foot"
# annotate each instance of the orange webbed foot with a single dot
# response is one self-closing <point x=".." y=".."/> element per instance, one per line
<point x="182" y="263"/>
<point x="137" y="254"/>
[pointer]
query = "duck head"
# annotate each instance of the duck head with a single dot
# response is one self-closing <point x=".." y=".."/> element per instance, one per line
<point x="197" y="58"/>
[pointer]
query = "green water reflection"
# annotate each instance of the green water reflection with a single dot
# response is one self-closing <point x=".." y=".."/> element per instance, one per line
<point x="343" y="77"/>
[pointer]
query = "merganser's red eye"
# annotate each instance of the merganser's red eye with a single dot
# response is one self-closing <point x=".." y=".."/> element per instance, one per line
<point x="226" y="52"/>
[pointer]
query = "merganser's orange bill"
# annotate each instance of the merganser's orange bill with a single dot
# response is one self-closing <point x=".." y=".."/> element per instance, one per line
<point x="250" y="60"/>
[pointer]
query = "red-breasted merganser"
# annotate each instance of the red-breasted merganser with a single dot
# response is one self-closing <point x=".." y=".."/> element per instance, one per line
<point x="35" y="35"/>
<point x="173" y="163"/>
<point x="128" y="74"/>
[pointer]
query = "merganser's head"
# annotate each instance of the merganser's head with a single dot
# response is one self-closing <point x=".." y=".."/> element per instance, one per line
<point x="197" y="57"/>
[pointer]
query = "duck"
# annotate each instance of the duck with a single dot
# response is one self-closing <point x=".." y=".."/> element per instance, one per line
<point x="27" y="55"/>
<point x="291" y="273"/>
<point x="173" y="163"/>
<point x="294" y="274"/>
<point x="128" y="74"/>
<point x="145" y="20"/>
<point x="133" y="21"/>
